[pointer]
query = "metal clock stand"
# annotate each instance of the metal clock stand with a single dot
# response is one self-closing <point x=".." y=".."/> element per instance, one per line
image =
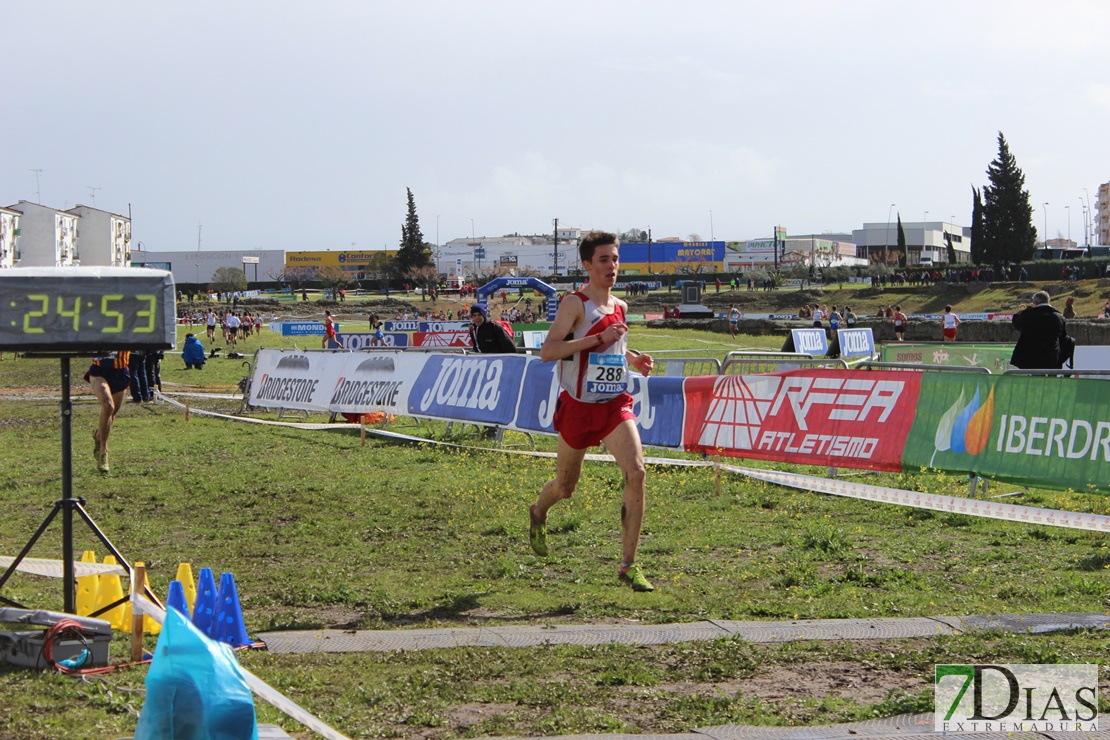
<point x="67" y="312"/>
<point x="67" y="505"/>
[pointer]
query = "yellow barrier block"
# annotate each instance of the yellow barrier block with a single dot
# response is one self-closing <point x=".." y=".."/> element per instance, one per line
<point x="110" y="589"/>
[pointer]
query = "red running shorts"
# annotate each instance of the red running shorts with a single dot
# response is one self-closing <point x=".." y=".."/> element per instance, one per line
<point x="584" y="425"/>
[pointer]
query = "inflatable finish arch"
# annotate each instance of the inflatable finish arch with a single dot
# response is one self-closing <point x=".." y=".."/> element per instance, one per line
<point x="551" y="300"/>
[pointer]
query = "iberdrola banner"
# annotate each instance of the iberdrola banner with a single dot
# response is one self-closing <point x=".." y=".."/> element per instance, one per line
<point x="1042" y="431"/>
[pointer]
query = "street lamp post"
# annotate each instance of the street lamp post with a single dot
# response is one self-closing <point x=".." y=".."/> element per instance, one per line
<point x="1068" y="209"/>
<point x="1044" y="207"/>
<point x="923" y="220"/>
<point x="1090" y="216"/>
<point x="472" y="229"/>
<point x="711" y="226"/>
<point x="1083" y="212"/>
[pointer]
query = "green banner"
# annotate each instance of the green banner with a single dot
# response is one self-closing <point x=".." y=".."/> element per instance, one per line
<point x="994" y="357"/>
<point x="1046" y="432"/>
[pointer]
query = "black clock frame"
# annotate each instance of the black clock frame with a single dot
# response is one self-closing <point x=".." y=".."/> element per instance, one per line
<point x="43" y="281"/>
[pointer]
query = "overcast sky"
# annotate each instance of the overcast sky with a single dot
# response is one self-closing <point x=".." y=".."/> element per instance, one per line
<point x="281" y="125"/>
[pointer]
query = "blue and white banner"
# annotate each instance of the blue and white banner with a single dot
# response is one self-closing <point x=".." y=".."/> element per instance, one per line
<point x="482" y="388"/>
<point x="810" y="341"/>
<point x="303" y="328"/>
<point x="426" y="326"/>
<point x="856" y="343"/>
<point x="356" y="341"/>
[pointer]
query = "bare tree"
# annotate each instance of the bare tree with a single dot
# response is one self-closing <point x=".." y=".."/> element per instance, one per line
<point x="334" y="278"/>
<point x="297" y="278"/>
<point x="278" y="276"/>
<point x="423" y="277"/>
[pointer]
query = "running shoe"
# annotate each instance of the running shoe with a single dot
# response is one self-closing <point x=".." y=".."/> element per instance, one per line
<point x="102" y="462"/>
<point x="634" y="577"/>
<point x="537" y="533"/>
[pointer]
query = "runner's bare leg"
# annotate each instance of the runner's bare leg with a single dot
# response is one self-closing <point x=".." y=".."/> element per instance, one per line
<point x="109" y="405"/>
<point x="568" y="469"/>
<point x="623" y="444"/>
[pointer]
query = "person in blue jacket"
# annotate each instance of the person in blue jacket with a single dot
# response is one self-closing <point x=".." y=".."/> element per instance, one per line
<point x="193" y="353"/>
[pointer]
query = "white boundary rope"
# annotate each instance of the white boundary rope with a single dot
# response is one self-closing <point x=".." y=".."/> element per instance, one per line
<point x="931" y="501"/>
<point x="863" y="491"/>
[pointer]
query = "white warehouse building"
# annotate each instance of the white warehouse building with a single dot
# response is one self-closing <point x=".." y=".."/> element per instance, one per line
<point x="926" y="241"/>
<point x="198" y="267"/>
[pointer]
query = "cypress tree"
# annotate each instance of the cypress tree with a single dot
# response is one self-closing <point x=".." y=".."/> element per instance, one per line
<point x="413" y="253"/>
<point x="901" y="243"/>
<point x="976" y="226"/>
<point x="1008" y="231"/>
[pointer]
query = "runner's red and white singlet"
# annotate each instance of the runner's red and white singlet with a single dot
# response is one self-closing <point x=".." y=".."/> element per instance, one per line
<point x="600" y="373"/>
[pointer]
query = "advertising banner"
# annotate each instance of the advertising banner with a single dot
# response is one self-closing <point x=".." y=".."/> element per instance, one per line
<point x="852" y="419"/>
<point x="363" y="340"/>
<point x="994" y="357"/>
<point x="1051" y="432"/>
<point x="1042" y="431"/>
<point x="657" y="403"/>
<point x="372" y="381"/>
<point x="482" y="388"/>
<point x="425" y="326"/>
<point x="810" y="341"/>
<point x="288" y="379"/>
<point x="304" y="328"/>
<point x="534" y="339"/>
<point x="855" y="343"/>
<point x="441" y="339"/>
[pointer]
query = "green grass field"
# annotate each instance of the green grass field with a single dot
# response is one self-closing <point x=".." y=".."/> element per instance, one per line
<point x="322" y="531"/>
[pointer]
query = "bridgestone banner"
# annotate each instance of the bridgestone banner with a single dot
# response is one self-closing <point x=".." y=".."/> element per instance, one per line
<point x="1041" y="431"/>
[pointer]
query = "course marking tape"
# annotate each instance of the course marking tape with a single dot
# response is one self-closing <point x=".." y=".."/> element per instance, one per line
<point x="55" y="568"/>
<point x="931" y="501"/>
<point x="836" y="487"/>
<point x="143" y="605"/>
<point x="183" y="394"/>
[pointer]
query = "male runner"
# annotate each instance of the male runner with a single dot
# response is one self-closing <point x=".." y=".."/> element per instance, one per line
<point x="109" y="377"/>
<point x="329" y="330"/>
<point x="588" y="340"/>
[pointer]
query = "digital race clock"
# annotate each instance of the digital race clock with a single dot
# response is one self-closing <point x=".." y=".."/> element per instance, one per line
<point x="86" y="309"/>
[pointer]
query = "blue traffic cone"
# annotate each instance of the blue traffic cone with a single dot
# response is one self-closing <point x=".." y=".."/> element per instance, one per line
<point x="176" y="598"/>
<point x="204" y="608"/>
<point x="229" y="625"/>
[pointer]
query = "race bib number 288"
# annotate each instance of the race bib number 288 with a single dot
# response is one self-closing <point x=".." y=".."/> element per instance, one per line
<point x="607" y="374"/>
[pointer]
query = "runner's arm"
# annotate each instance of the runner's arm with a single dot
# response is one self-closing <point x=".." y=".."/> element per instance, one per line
<point x="640" y="361"/>
<point x="570" y="314"/>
